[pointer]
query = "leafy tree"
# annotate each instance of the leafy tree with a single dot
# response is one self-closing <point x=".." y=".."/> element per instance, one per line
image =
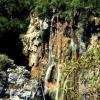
<point x="16" y="13"/>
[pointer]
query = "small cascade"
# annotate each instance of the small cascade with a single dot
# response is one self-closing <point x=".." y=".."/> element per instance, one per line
<point x="82" y="47"/>
<point x="51" y="42"/>
<point x="57" y="39"/>
<point x="51" y="63"/>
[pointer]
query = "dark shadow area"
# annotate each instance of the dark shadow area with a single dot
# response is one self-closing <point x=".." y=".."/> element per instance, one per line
<point x="11" y="45"/>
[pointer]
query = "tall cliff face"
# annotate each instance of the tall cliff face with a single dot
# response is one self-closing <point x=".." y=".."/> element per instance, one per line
<point x="53" y="50"/>
<point x="32" y="42"/>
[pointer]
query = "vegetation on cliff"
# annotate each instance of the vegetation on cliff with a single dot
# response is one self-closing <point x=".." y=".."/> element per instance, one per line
<point x="59" y="40"/>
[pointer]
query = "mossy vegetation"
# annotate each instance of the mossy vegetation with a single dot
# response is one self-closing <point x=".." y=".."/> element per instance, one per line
<point x="86" y="70"/>
<point x="3" y="61"/>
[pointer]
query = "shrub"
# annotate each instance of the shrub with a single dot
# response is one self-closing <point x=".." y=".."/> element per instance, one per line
<point x="3" y="61"/>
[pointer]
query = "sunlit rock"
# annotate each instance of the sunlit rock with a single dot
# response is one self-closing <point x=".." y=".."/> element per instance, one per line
<point x="20" y="81"/>
<point x="94" y="40"/>
<point x="32" y="59"/>
<point x="33" y="48"/>
<point x="32" y="41"/>
<point x="26" y="95"/>
<point x="36" y="42"/>
<point x="20" y="69"/>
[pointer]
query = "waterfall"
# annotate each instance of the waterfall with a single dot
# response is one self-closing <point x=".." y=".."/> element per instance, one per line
<point x="82" y="46"/>
<point x="50" y="42"/>
<point x="51" y="63"/>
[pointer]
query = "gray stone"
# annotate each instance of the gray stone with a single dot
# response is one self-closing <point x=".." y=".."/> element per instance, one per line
<point x="1" y="88"/>
<point x="20" y="81"/>
<point x="9" y="70"/>
<point x="20" y="84"/>
<point x="12" y="78"/>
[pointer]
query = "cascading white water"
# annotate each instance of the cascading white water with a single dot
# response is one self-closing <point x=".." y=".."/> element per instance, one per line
<point x="51" y="42"/>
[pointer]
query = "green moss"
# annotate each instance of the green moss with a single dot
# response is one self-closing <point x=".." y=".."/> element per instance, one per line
<point x="3" y="61"/>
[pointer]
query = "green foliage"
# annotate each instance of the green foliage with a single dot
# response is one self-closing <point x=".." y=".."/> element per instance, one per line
<point x="87" y="68"/>
<point x="4" y="24"/>
<point x="16" y="12"/>
<point x="3" y="61"/>
<point x="76" y="4"/>
<point x="12" y="7"/>
<point x="65" y="8"/>
<point x="14" y="15"/>
<point x="41" y="7"/>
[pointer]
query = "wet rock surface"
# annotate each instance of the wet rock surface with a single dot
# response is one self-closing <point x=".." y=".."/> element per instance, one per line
<point x="16" y="83"/>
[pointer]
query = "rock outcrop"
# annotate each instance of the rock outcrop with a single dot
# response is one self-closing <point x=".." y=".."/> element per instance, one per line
<point x="17" y="84"/>
<point x="32" y="42"/>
